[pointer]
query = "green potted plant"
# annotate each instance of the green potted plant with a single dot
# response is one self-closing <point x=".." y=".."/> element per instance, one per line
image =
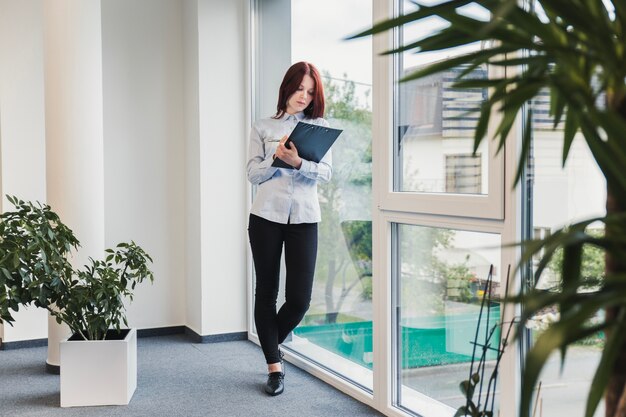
<point x="34" y="245"/>
<point x="575" y="50"/>
<point x="99" y="360"/>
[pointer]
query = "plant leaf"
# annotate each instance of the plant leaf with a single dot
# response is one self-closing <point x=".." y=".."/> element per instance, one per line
<point x="422" y="13"/>
<point x="612" y="348"/>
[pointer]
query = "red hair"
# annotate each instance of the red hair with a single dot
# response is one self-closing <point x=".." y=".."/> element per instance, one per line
<point x="291" y="82"/>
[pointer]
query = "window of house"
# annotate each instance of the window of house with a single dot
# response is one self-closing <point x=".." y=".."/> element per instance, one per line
<point x="463" y="173"/>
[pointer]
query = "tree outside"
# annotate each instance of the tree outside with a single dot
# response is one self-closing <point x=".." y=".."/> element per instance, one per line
<point x="344" y="255"/>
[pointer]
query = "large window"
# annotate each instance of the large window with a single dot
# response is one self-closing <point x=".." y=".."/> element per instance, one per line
<point x="443" y="203"/>
<point x="561" y="195"/>
<point x="336" y="333"/>
<point x="434" y="125"/>
<point x="413" y="218"/>
<point x="440" y="279"/>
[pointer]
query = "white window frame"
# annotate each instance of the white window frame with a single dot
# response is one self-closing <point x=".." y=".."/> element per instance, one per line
<point x="487" y="206"/>
<point x="498" y="212"/>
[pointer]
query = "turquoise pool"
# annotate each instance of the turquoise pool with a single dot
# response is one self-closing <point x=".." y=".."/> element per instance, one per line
<point x="426" y="341"/>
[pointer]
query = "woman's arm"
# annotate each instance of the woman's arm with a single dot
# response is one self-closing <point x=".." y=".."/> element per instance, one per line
<point x="321" y="171"/>
<point x="259" y="167"/>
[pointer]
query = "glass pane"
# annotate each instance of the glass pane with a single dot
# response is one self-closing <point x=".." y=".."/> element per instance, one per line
<point x="439" y="282"/>
<point x="562" y="195"/>
<point x="337" y="330"/>
<point x="435" y="121"/>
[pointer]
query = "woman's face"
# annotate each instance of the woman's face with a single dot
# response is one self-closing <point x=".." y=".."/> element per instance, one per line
<point x="301" y="99"/>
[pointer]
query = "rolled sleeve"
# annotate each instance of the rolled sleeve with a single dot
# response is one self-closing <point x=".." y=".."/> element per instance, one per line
<point x="321" y="171"/>
<point x="284" y="195"/>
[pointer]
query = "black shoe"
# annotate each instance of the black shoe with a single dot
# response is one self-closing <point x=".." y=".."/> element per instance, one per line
<point x="275" y="383"/>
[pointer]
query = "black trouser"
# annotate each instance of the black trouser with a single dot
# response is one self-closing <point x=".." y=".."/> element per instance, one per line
<point x="266" y="242"/>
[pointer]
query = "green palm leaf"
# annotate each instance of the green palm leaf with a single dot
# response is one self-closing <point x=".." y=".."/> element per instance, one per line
<point x="422" y="13"/>
<point x="612" y="348"/>
<point x="474" y="58"/>
<point x="560" y="334"/>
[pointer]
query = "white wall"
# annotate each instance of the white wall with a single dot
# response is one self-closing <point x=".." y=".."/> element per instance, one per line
<point x="144" y="147"/>
<point x="424" y="161"/>
<point x="74" y="125"/>
<point x="222" y="35"/>
<point x="175" y="127"/>
<point x="175" y="91"/>
<point x="565" y="195"/>
<point x="22" y="127"/>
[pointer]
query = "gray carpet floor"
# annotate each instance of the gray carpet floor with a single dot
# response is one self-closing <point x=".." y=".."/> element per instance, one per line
<point x="179" y="378"/>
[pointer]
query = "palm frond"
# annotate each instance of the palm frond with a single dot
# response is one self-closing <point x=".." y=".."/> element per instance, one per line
<point x="562" y="333"/>
<point x="422" y="13"/>
<point x="612" y="348"/>
<point x="571" y="128"/>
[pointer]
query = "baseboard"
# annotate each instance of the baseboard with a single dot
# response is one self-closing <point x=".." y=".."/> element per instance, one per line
<point x="22" y="344"/>
<point x="53" y="369"/>
<point x="215" y="338"/>
<point x="192" y="335"/>
<point x="161" y="331"/>
<point x="141" y="333"/>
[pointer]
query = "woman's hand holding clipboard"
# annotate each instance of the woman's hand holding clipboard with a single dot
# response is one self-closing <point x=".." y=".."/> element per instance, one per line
<point x="287" y="152"/>
<point x="311" y="142"/>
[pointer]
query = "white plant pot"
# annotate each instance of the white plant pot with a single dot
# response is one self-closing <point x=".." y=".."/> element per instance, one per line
<point x="98" y="372"/>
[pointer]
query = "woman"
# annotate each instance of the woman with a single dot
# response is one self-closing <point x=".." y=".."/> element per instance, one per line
<point x="285" y="211"/>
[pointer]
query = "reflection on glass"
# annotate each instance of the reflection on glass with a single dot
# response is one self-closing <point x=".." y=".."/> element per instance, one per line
<point x="435" y="122"/>
<point x="435" y="125"/>
<point x="439" y="282"/>
<point x="337" y="330"/>
<point x="563" y="195"/>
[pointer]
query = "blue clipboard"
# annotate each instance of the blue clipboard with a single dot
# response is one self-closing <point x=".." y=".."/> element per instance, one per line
<point x="312" y="141"/>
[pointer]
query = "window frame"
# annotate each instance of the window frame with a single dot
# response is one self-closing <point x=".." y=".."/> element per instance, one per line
<point x="497" y="212"/>
<point x="481" y="206"/>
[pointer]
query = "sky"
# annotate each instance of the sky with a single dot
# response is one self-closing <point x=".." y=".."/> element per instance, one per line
<point x="318" y="29"/>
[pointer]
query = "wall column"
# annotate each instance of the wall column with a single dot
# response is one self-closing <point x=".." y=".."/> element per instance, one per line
<point x="22" y="130"/>
<point x="74" y="127"/>
<point x="217" y="122"/>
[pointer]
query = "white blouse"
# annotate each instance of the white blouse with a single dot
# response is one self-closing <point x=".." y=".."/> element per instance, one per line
<point x="284" y="195"/>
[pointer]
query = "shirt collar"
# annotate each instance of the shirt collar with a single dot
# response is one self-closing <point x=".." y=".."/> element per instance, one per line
<point x="299" y="116"/>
